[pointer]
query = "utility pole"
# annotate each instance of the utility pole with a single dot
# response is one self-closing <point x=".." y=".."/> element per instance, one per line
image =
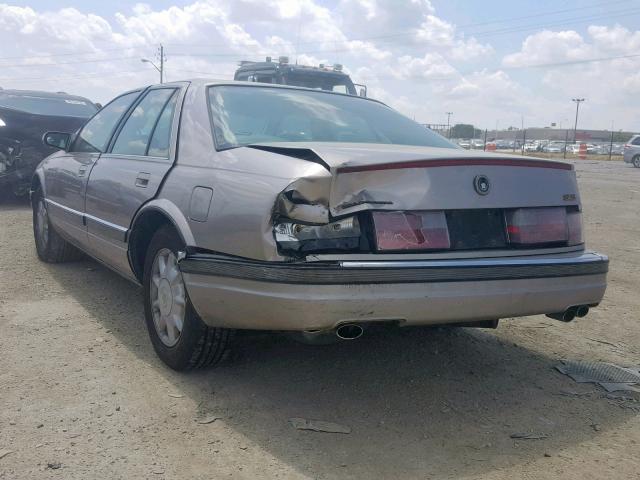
<point x="161" y="63"/>
<point x="160" y="68"/>
<point x="611" y="141"/>
<point x="448" y="124"/>
<point x="575" y="125"/>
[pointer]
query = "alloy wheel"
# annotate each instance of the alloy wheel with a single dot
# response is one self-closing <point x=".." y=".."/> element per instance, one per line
<point x="168" y="297"/>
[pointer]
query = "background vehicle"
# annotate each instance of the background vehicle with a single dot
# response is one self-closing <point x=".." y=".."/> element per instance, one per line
<point x="632" y="151"/>
<point x="25" y="116"/>
<point x="330" y="78"/>
<point x="553" y="147"/>
<point x="323" y="220"/>
<point x="477" y="144"/>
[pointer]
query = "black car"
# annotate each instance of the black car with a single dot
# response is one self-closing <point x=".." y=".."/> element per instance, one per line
<point x="25" y="115"/>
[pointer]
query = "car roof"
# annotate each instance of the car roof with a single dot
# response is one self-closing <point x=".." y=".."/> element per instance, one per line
<point x="43" y="94"/>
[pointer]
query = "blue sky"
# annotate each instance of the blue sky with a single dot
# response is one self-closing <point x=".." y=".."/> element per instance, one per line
<point x="490" y="62"/>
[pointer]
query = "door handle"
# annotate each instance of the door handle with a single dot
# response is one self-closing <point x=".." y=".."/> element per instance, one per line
<point x="82" y="170"/>
<point x="142" y="180"/>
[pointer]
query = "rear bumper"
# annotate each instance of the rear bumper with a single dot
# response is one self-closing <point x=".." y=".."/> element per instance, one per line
<point x="306" y="296"/>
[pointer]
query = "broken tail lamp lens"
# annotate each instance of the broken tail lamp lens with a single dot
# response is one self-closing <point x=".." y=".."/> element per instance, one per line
<point x="340" y="235"/>
<point x="411" y="231"/>
<point x="532" y="226"/>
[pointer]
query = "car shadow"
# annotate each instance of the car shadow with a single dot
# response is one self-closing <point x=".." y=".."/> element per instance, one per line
<point x="8" y="201"/>
<point x="419" y="401"/>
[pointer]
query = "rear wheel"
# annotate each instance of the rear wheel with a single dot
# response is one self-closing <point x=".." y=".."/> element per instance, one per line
<point x="50" y="246"/>
<point x="179" y="337"/>
<point x="636" y="161"/>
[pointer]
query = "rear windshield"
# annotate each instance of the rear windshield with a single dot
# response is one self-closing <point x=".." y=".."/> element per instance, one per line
<point x="64" y="107"/>
<point x="244" y="115"/>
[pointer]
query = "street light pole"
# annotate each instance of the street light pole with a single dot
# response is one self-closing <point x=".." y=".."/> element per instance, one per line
<point x="160" y="68"/>
<point x="575" y="125"/>
<point x="448" y="124"/>
<point x="161" y="63"/>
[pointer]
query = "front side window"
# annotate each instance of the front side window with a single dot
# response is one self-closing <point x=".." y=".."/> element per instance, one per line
<point x="136" y="133"/>
<point x="95" y="135"/>
<point x="244" y="115"/>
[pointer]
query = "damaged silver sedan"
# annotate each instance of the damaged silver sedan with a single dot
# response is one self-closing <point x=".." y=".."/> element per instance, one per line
<point x="249" y="206"/>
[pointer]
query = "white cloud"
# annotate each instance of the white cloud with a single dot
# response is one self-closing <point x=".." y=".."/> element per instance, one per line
<point x="410" y="57"/>
<point x="432" y="66"/>
<point x="608" y="84"/>
<point x="548" y="47"/>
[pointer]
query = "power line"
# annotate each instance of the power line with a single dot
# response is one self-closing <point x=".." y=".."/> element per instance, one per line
<point x="573" y="62"/>
<point x="465" y="73"/>
<point x="537" y="15"/>
<point x="29" y="65"/>
<point x="488" y="33"/>
<point x="520" y="67"/>
<point x="94" y="52"/>
<point x="64" y="77"/>
<point x="485" y="33"/>
<point x="510" y="29"/>
<point x="520" y="28"/>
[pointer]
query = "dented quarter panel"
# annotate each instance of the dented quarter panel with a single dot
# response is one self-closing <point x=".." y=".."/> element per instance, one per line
<point x="246" y="184"/>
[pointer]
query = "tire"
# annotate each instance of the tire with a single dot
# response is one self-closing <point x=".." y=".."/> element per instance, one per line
<point x="636" y="161"/>
<point x="50" y="246"/>
<point x="167" y="304"/>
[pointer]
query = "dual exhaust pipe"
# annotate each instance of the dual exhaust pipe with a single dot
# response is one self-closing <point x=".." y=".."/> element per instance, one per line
<point x="570" y="313"/>
<point x="353" y="331"/>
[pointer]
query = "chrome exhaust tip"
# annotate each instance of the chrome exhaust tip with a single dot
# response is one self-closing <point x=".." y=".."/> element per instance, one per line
<point x="349" y="331"/>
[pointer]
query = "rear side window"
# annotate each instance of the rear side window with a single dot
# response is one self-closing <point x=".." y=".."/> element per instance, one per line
<point x="161" y="138"/>
<point x="636" y="141"/>
<point x="135" y="136"/>
<point x="95" y="135"/>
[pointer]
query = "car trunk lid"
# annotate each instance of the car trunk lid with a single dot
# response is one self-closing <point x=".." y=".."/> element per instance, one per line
<point x="393" y="177"/>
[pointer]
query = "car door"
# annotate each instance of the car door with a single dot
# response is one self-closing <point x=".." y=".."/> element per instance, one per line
<point x="130" y="173"/>
<point x="66" y="173"/>
<point x="636" y="145"/>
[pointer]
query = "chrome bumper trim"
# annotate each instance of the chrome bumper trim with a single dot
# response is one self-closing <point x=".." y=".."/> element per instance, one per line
<point x="385" y="272"/>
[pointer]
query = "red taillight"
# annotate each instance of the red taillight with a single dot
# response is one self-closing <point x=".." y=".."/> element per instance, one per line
<point x="531" y="226"/>
<point x="574" y="224"/>
<point x="411" y="230"/>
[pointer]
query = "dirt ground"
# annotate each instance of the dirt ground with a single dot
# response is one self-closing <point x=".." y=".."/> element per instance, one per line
<point x="82" y="394"/>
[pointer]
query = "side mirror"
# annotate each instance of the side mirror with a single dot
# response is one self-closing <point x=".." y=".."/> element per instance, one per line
<point x="99" y="105"/>
<point x="57" y="140"/>
<point x="363" y="92"/>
